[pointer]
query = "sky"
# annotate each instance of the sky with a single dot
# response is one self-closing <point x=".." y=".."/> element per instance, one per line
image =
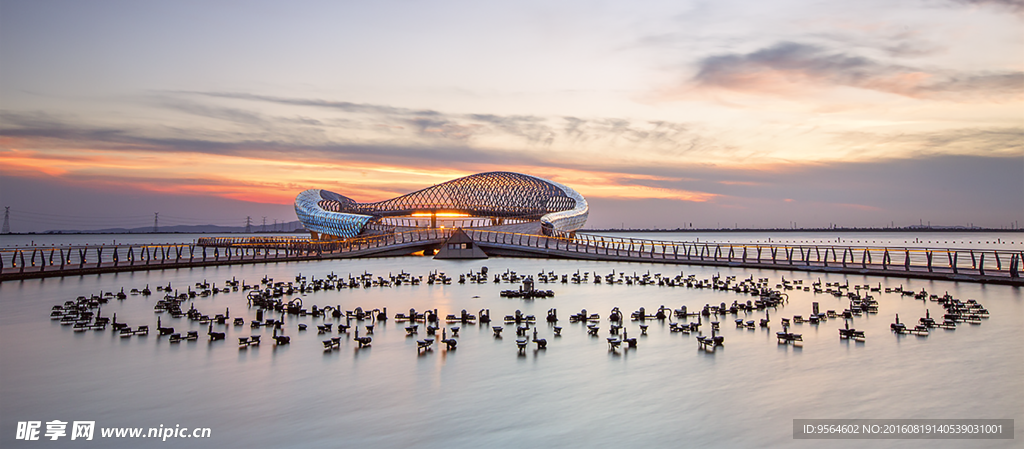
<point x="663" y="114"/>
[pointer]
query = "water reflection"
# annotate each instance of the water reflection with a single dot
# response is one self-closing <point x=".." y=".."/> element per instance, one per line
<point x="665" y="392"/>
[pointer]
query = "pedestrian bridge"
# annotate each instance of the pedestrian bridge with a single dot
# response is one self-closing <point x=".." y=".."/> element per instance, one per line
<point x="973" y="265"/>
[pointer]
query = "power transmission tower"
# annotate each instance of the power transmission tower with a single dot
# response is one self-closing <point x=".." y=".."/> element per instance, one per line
<point x="264" y="228"/>
<point x="248" y="224"/>
<point x="156" y="222"/>
<point x="275" y="225"/>
<point x="7" y="220"/>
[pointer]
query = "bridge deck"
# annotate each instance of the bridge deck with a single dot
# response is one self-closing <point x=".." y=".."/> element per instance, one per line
<point x="972" y="265"/>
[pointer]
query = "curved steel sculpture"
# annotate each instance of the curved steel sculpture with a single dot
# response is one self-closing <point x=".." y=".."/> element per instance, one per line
<point x="500" y="195"/>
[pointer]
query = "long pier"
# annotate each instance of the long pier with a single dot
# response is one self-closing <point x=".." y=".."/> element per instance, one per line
<point x="955" y="264"/>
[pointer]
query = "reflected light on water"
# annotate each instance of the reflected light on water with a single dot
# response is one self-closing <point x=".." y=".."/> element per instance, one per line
<point x="576" y="392"/>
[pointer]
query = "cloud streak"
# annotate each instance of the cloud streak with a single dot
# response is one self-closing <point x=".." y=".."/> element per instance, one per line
<point x="788" y="67"/>
<point x="1014" y="6"/>
<point x="491" y="130"/>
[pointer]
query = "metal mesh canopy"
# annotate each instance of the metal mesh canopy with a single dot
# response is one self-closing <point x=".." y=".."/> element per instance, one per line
<point x="493" y="194"/>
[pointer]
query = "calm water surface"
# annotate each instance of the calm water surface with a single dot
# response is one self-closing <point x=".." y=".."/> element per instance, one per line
<point x="575" y="393"/>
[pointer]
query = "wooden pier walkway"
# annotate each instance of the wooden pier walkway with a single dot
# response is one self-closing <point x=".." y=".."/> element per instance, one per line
<point x="971" y="265"/>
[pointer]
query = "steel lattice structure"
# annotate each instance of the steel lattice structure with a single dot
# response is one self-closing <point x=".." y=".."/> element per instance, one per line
<point x="559" y="209"/>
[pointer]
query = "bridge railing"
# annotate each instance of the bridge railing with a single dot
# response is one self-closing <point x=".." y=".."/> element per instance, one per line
<point x="328" y="246"/>
<point x="205" y="250"/>
<point x="60" y="258"/>
<point x="221" y="249"/>
<point x="950" y="260"/>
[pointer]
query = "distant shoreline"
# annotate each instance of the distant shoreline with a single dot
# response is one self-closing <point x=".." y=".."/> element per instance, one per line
<point x="150" y="233"/>
<point x="835" y="230"/>
<point x="677" y="230"/>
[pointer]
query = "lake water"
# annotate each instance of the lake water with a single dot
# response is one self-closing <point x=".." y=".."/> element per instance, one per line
<point x="666" y="392"/>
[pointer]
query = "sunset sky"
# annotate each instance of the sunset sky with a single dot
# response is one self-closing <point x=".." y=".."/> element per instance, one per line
<point x="661" y="113"/>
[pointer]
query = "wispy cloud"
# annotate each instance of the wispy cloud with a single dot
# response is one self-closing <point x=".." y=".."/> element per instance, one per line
<point x="789" y="67"/>
<point x="487" y="130"/>
<point x="1001" y="142"/>
<point x="338" y="105"/>
<point x="1014" y="6"/>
